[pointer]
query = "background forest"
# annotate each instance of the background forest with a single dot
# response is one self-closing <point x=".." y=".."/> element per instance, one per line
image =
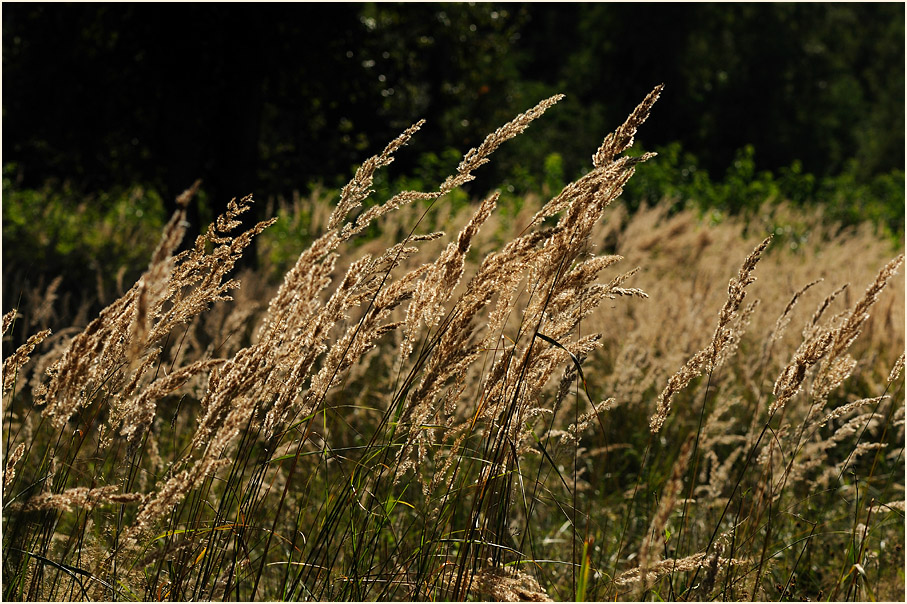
<point x="110" y="111"/>
<point x="643" y="340"/>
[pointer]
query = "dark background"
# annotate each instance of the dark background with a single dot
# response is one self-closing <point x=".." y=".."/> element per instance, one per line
<point x="272" y="98"/>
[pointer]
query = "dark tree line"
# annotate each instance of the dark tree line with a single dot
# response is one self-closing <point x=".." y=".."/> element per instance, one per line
<point x="269" y="98"/>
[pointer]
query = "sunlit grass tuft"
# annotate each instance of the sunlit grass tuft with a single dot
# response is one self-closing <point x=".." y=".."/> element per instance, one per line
<point x="497" y="411"/>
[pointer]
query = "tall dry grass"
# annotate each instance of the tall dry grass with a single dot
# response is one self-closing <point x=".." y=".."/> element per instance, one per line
<point x="493" y="413"/>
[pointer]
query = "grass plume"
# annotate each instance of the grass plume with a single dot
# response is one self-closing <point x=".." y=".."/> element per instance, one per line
<point x="475" y="407"/>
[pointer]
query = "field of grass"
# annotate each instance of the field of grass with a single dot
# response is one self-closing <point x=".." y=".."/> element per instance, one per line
<point x="564" y="402"/>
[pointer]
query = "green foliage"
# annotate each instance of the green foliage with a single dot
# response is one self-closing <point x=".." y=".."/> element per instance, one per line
<point x="846" y="198"/>
<point x="822" y="83"/>
<point x="54" y="231"/>
<point x="879" y="200"/>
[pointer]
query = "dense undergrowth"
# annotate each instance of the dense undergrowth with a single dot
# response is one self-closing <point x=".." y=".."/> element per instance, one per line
<point x="510" y="410"/>
<point x="106" y="238"/>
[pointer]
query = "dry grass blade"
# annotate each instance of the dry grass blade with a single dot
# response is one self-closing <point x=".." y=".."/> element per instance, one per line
<point x="622" y="138"/>
<point x="79" y="497"/>
<point x="724" y="337"/>
<point x="14" y="363"/>
<point x="8" y="319"/>
<point x="411" y="416"/>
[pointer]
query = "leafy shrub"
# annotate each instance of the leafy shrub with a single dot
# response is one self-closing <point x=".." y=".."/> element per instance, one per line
<point x="56" y="231"/>
<point x="846" y="198"/>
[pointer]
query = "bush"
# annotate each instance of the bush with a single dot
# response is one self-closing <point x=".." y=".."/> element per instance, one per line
<point x="57" y="231"/>
<point x="846" y="198"/>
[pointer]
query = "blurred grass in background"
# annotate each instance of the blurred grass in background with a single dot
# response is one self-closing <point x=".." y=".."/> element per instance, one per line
<point x="96" y="241"/>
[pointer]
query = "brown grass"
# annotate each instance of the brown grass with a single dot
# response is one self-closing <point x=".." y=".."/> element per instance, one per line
<point x="461" y="418"/>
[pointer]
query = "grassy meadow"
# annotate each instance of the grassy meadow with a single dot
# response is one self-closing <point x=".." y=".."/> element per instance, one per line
<point x="562" y="401"/>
